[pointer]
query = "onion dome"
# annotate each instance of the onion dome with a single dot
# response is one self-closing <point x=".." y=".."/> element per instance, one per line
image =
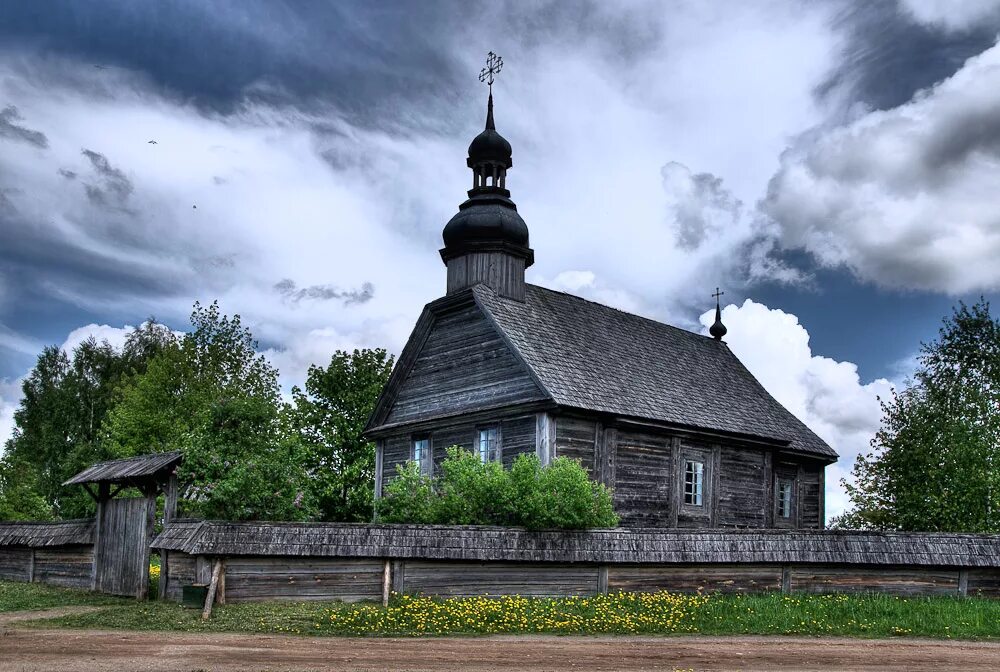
<point x="718" y="329"/>
<point x="489" y="146"/>
<point x="488" y="220"/>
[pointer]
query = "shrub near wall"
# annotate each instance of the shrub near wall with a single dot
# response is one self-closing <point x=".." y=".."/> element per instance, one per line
<point x="468" y="491"/>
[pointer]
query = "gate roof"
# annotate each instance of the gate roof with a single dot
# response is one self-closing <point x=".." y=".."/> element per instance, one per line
<point x="129" y="471"/>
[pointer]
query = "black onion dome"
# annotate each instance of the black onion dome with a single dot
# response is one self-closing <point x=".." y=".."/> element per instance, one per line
<point x="490" y="146"/>
<point x="486" y="218"/>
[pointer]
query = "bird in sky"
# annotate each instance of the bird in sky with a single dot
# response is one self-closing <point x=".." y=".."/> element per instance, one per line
<point x="151" y="142"/>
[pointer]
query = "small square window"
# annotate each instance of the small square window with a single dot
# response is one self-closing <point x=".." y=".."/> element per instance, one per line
<point x="422" y="454"/>
<point x="694" y="479"/>
<point x="784" y="498"/>
<point x="488" y="445"/>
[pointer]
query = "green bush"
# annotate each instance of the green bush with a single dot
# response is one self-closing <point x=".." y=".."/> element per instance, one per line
<point x="467" y="491"/>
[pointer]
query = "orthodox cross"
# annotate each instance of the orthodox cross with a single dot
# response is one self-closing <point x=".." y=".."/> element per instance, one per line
<point x="717" y="295"/>
<point x="494" y="64"/>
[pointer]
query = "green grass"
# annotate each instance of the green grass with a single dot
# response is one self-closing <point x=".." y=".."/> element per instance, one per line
<point x="864" y="616"/>
<point x="28" y="596"/>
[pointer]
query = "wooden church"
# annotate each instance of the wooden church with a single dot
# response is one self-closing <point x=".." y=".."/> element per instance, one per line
<point x="670" y="420"/>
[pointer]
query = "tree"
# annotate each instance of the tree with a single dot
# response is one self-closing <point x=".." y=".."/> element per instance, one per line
<point x="330" y="416"/>
<point x="19" y="493"/>
<point x="156" y="410"/>
<point x="212" y="396"/>
<point x="935" y="460"/>
<point x="244" y="466"/>
<point x="66" y="397"/>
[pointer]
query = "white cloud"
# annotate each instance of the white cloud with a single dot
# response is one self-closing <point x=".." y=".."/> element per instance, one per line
<point x="116" y="336"/>
<point x="906" y="197"/>
<point x="951" y="15"/>
<point x="827" y="395"/>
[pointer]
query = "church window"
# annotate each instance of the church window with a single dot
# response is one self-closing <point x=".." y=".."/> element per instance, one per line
<point x="488" y="445"/>
<point x="422" y="454"/>
<point x="694" y="479"/>
<point x="784" y="498"/>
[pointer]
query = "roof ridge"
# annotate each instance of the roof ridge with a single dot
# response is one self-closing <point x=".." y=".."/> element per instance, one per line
<point x="605" y="306"/>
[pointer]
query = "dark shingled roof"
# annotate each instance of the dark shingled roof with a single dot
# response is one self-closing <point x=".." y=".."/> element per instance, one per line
<point x="38" y="535"/>
<point x="594" y="357"/>
<point x="640" y="545"/>
<point x="127" y="470"/>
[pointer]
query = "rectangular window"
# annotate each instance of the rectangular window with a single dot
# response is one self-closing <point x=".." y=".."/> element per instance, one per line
<point x="422" y="454"/>
<point x="784" y="498"/>
<point x="694" y="479"/>
<point x="488" y="444"/>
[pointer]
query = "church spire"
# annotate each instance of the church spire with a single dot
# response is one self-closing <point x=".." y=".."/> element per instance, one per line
<point x="718" y="330"/>
<point x="487" y="241"/>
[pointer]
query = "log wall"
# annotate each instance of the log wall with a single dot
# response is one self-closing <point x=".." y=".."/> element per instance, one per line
<point x="517" y="435"/>
<point x="66" y="566"/>
<point x="250" y="578"/>
<point x="15" y="563"/>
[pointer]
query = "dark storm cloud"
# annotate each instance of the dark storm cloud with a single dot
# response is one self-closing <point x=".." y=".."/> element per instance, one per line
<point x="357" y="53"/>
<point x="370" y="59"/>
<point x="114" y="188"/>
<point x="889" y="56"/>
<point x="9" y="128"/>
<point x="291" y="292"/>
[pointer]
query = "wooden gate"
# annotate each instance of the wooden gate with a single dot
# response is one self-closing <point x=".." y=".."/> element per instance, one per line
<point x="121" y="553"/>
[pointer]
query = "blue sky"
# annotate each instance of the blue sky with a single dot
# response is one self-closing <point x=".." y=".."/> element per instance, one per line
<point x="831" y="165"/>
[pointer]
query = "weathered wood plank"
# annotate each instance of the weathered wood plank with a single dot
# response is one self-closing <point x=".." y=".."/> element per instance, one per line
<point x="726" y="578"/>
<point x="895" y="580"/>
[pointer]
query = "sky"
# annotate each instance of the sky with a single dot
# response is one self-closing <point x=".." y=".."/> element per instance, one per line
<point x="831" y="165"/>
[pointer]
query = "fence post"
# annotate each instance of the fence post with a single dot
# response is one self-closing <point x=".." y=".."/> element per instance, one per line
<point x="602" y="580"/>
<point x="31" y="566"/>
<point x="786" y="579"/>
<point x="212" y="587"/>
<point x="386" y="581"/>
<point x="963" y="581"/>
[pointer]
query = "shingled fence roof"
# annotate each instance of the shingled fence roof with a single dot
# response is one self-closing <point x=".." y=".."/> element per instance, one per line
<point x="128" y="470"/>
<point x="39" y="535"/>
<point x="618" y="545"/>
<point x="591" y="356"/>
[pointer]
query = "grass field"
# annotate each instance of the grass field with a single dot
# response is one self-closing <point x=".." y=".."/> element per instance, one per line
<point x="868" y="616"/>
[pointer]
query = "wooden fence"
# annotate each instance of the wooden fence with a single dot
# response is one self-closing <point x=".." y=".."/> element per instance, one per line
<point x="273" y="561"/>
<point x="61" y="554"/>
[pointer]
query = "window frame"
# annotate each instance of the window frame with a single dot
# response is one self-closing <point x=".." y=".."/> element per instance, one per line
<point x="497" y="444"/>
<point x="780" y="500"/>
<point x="698" y="491"/>
<point x="426" y="459"/>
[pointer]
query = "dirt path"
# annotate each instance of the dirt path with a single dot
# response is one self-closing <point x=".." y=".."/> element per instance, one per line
<point x="58" y="650"/>
<point x="7" y="617"/>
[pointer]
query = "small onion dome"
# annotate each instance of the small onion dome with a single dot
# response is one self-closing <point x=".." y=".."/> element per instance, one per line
<point x="718" y="330"/>
<point x="489" y="146"/>
<point x="486" y="218"/>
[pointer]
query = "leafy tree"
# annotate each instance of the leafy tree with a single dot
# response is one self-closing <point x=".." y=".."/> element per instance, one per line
<point x="212" y="396"/>
<point x="467" y="491"/>
<point x="216" y="361"/>
<point x="66" y="398"/>
<point x="19" y="493"/>
<point x="245" y="466"/>
<point x="935" y="461"/>
<point x="330" y="416"/>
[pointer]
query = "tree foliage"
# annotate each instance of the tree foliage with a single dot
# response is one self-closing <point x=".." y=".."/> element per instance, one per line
<point x="212" y="396"/>
<point x="244" y="465"/>
<point x="66" y="398"/>
<point x="935" y="460"/>
<point x="330" y="416"/>
<point x="216" y="361"/>
<point x="468" y="491"/>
